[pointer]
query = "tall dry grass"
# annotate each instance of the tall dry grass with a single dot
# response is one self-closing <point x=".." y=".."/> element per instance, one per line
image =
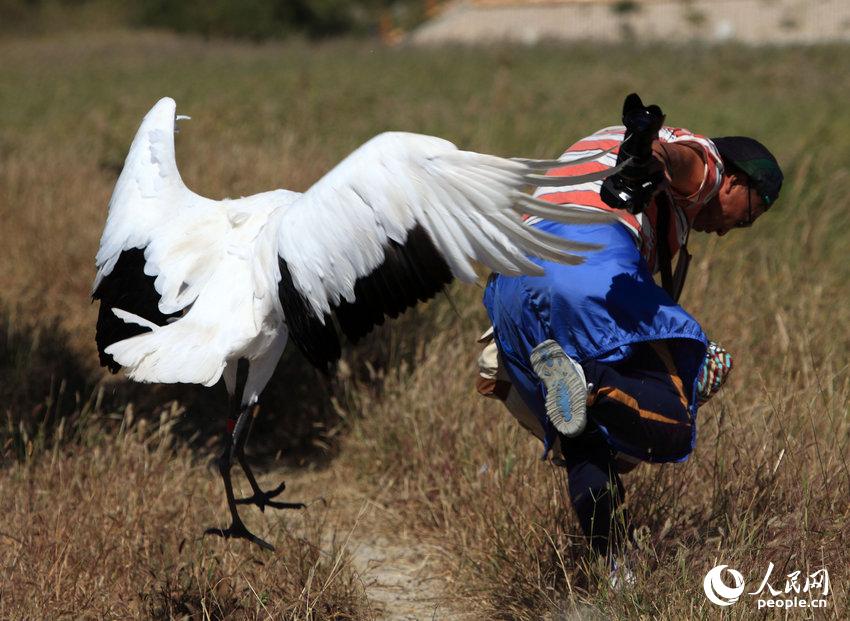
<point x="104" y="510"/>
<point x="109" y="528"/>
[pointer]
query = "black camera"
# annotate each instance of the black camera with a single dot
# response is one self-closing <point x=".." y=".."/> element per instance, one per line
<point x="632" y="187"/>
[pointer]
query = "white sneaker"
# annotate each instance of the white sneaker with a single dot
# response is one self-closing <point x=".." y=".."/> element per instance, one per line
<point x="566" y="387"/>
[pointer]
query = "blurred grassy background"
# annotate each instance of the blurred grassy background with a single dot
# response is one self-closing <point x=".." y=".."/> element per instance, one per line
<point x="106" y="484"/>
<point x="240" y="19"/>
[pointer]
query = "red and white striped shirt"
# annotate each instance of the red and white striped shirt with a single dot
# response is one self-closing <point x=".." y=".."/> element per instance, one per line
<point x="642" y="226"/>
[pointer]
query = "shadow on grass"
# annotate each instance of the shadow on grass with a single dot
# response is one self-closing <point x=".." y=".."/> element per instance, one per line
<point x="46" y="388"/>
<point x="182" y="597"/>
<point x="42" y="386"/>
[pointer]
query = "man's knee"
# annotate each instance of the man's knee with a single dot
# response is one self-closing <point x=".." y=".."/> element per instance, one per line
<point x="679" y="444"/>
<point x="674" y="436"/>
<point x="669" y="444"/>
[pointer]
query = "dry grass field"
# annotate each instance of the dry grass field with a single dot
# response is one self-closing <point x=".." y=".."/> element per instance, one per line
<point x="424" y="500"/>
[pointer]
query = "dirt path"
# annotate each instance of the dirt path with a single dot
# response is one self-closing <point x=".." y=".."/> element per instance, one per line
<point x="749" y="21"/>
<point x="402" y="575"/>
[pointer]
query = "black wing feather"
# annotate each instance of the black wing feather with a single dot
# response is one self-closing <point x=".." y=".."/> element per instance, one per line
<point x="411" y="272"/>
<point x="126" y="287"/>
<point x="417" y="262"/>
<point x="317" y="341"/>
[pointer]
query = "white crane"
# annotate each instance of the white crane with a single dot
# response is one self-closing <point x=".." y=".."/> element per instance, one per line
<point x="189" y="287"/>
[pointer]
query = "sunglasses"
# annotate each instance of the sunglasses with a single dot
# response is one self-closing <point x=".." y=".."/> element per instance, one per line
<point x="743" y="224"/>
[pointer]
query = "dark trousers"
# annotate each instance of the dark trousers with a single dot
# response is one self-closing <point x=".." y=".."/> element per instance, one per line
<point x="642" y="403"/>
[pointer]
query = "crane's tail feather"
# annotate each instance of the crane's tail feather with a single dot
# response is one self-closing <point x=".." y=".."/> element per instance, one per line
<point x="181" y="352"/>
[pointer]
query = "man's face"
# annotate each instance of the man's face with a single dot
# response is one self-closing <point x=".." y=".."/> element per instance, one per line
<point x="736" y="205"/>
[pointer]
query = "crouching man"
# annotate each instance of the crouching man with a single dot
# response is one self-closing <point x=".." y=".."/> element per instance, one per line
<point x="597" y="360"/>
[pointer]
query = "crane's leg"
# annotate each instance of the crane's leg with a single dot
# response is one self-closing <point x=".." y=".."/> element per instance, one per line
<point x="237" y="528"/>
<point x="260" y="498"/>
<point x="234" y="445"/>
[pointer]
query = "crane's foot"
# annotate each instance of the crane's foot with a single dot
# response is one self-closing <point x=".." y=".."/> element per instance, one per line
<point x="238" y="530"/>
<point x="264" y="499"/>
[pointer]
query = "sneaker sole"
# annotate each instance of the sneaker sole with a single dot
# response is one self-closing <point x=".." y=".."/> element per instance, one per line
<point x="566" y="387"/>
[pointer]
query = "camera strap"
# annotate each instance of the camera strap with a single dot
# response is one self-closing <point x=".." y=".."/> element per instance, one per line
<point x="662" y="243"/>
<point x="681" y="272"/>
<point x="672" y="283"/>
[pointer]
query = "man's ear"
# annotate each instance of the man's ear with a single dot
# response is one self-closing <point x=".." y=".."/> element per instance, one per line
<point x="727" y="185"/>
<point x="736" y="179"/>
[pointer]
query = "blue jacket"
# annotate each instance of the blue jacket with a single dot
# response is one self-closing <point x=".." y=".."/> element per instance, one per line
<point x="596" y="311"/>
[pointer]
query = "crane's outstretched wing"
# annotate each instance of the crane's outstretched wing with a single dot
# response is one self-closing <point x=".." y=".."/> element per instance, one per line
<point x="161" y="242"/>
<point x="396" y="221"/>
